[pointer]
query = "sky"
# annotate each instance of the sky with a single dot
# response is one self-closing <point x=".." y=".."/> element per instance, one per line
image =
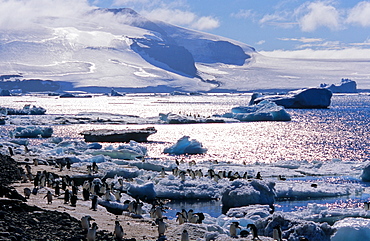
<point x="267" y="25"/>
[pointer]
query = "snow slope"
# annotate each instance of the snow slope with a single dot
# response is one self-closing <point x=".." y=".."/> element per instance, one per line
<point x="119" y="48"/>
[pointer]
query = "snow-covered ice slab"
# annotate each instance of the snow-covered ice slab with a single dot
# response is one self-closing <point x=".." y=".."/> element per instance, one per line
<point x="263" y="111"/>
<point x="186" y="146"/>
<point x="31" y="132"/>
<point x="304" y="98"/>
<point x="356" y="229"/>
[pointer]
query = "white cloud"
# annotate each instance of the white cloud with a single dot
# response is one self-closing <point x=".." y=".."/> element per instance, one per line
<point x="303" y="39"/>
<point x="243" y="13"/>
<point x="347" y="53"/>
<point x="260" y="42"/>
<point x="360" y="14"/>
<point x="206" y="23"/>
<point x="173" y="16"/>
<point x="22" y="14"/>
<point x="281" y="19"/>
<point x="319" y="14"/>
<point x="183" y="18"/>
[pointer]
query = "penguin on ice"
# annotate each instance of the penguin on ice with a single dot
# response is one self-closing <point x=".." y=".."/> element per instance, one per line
<point x="276" y="233"/>
<point x="118" y="231"/>
<point x="184" y="235"/>
<point x="254" y="230"/>
<point x="367" y="205"/>
<point x="233" y="229"/>
<point x="91" y="233"/>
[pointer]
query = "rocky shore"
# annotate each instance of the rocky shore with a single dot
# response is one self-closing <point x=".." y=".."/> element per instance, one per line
<point x="20" y="221"/>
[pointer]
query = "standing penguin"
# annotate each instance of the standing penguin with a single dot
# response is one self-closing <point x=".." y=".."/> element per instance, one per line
<point x="57" y="189"/>
<point x="27" y="192"/>
<point x="276" y="233"/>
<point x="254" y="230"/>
<point x="85" y="222"/>
<point x="118" y="231"/>
<point x="11" y="153"/>
<point x="66" y="196"/>
<point x="85" y="194"/>
<point x="233" y="229"/>
<point x="73" y="200"/>
<point x="94" y="202"/>
<point x="161" y="227"/>
<point x="91" y="233"/>
<point x="49" y="197"/>
<point x="95" y="167"/>
<point x="180" y="218"/>
<point x="185" y="235"/>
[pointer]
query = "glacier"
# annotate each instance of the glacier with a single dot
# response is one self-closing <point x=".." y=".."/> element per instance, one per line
<point x="118" y="48"/>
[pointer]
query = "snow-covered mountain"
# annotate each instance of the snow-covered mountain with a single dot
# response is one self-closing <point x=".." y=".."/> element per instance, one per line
<point x="121" y="49"/>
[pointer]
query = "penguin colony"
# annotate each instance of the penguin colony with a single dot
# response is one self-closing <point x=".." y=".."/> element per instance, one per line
<point x="92" y="190"/>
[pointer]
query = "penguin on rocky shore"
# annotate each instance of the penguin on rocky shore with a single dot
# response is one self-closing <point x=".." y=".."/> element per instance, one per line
<point x="85" y="222"/>
<point x="118" y="231"/>
<point x="94" y="202"/>
<point x="91" y="233"/>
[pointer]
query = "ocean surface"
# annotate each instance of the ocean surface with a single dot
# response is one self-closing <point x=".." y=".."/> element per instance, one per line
<point x="339" y="132"/>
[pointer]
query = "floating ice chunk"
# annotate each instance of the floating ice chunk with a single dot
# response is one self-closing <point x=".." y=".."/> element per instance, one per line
<point x="263" y="111"/>
<point x="352" y="229"/>
<point x="186" y="146"/>
<point x="244" y="192"/>
<point x="27" y="110"/>
<point x="32" y="132"/>
<point x="3" y="111"/>
<point x="130" y="151"/>
<point x="365" y="176"/>
<point x="345" y="86"/>
<point x="94" y="146"/>
<point x="172" y="118"/>
<point x="304" y="98"/>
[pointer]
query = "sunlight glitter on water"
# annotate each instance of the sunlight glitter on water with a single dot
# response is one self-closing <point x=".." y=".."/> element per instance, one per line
<point x="338" y="132"/>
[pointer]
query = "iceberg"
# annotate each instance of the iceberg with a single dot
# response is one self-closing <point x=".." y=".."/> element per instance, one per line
<point x="263" y="111"/>
<point x="186" y="146"/>
<point x="345" y="86"/>
<point x="27" y="110"/>
<point x="130" y="151"/>
<point x="32" y="132"/>
<point x="245" y="192"/>
<point x="310" y="98"/>
<point x="365" y="176"/>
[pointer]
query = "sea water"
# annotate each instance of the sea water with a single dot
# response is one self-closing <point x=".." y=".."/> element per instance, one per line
<point x="339" y="132"/>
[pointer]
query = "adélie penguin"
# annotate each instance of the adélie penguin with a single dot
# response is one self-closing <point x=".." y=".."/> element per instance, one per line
<point x="91" y="233"/>
<point x="184" y="235"/>
<point x="118" y="231"/>
<point x="276" y="233"/>
<point x="233" y="229"/>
